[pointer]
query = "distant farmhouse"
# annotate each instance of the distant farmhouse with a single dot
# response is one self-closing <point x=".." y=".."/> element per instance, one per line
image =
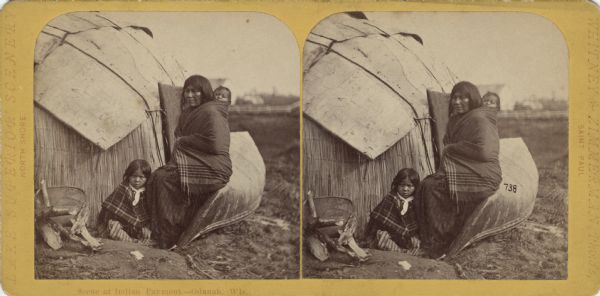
<point x="507" y="100"/>
<point x="253" y="99"/>
<point x="547" y="104"/>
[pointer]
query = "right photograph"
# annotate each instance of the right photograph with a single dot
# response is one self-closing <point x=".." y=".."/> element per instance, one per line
<point x="435" y="146"/>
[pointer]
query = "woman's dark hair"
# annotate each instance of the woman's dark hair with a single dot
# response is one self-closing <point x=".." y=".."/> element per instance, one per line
<point x="468" y="89"/>
<point x="138" y="164"/>
<point x="403" y="174"/>
<point x="494" y="95"/>
<point x="201" y="83"/>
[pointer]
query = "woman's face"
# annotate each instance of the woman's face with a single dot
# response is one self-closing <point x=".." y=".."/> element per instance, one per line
<point x="405" y="188"/>
<point x="192" y="96"/>
<point x="137" y="180"/>
<point x="460" y="103"/>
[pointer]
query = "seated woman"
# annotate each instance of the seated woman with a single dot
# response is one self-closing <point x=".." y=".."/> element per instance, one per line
<point x="469" y="170"/>
<point x="200" y="165"/>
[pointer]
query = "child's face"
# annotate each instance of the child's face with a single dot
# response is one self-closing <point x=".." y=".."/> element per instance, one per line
<point x="221" y="97"/>
<point x="490" y="101"/>
<point x="137" y="180"/>
<point x="405" y="188"/>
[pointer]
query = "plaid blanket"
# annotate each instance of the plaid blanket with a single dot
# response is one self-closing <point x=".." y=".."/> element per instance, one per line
<point x="119" y="204"/>
<point x="470" y="158"/>
<point x="386" y="216"/>
<point x="201" y="150"/>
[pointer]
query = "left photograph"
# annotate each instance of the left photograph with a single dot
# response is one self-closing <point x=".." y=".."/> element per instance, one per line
<point x="166" y="147"/>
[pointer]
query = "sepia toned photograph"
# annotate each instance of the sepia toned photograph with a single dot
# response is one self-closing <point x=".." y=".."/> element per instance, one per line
<point x="435" y="146"/>
<point x="167" y="146"/>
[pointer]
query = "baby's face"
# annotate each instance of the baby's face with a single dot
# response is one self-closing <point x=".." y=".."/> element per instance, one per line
<point x="221" y="97"/>
<point x="491" y="104"/>
<point x="490" y="101"/>
<point x="137" y="180"/>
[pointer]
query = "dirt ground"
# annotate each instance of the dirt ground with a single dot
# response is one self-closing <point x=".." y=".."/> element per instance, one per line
<point x="263" y="246"/>
<point x="536" y="249"/>
<point x="266" y="244"/>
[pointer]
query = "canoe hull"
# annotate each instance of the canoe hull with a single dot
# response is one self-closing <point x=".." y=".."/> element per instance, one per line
<point x="511" y="204"/>
<point x="239" y="198"/>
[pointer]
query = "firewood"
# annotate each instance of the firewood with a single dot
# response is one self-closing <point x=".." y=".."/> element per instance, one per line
<point x="46" y="207"/>
<point x="360" y="253"/>
<point x="330" y="222"/>
<point x="66" y="232"/>
<point x="56" y="211"/>
<point x="348" y="232"/>
<point x="45" y="196"/>
<point x="94" y="243"/>
<point x="329" y="241"/>
<point x="311" y="205"/>
<point x="347" y="239"/>
<point x="335" y="245"/>
<point x="51" y="230"/>
<point x="50" y="235"/>
<point x="317" y="248"/>
<point x="79" y="227"/>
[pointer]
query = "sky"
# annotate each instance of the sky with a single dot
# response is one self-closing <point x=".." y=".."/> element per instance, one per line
<point x="254" y="51"/>
<point x="257" y="52"/>
<point x="524" y="51"/>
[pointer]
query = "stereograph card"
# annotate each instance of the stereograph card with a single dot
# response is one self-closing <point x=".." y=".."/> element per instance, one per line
<point x="299" y="148"/>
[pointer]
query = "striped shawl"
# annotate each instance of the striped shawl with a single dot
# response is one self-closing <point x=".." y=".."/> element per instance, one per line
<point x="470" y="158"/>
<point x="386" y="216"/>
<point x="201" y="150"/>
<point x="119" y="204"/>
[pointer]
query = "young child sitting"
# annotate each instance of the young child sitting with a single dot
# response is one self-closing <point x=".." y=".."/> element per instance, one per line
<point x="393" y="223"/>
<point x="124" y="214"/>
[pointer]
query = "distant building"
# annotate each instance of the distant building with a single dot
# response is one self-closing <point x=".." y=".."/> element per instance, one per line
<point x="250" y="100"/>
<point x="529" y="105"/>
<point x="507" y="100"/>
<point x="542" y="104"/>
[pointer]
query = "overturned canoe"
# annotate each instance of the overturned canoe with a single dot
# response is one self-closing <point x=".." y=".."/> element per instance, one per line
<point x="242" y="194"/>
<point x="511" y="204"/>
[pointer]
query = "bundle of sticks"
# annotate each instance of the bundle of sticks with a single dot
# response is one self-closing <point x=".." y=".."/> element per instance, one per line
<point x="319" y="236"/>
<point x="52" y="231"/>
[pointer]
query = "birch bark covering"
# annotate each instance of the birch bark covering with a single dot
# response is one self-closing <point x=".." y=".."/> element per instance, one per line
<point x="365" y="107"/>
<point x="365" y="85"/>
<point x="96" y="102"/>
<point x="99" y="77"/>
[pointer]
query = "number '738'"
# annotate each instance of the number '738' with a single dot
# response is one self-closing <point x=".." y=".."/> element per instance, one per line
<point x="510" y="187"/>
